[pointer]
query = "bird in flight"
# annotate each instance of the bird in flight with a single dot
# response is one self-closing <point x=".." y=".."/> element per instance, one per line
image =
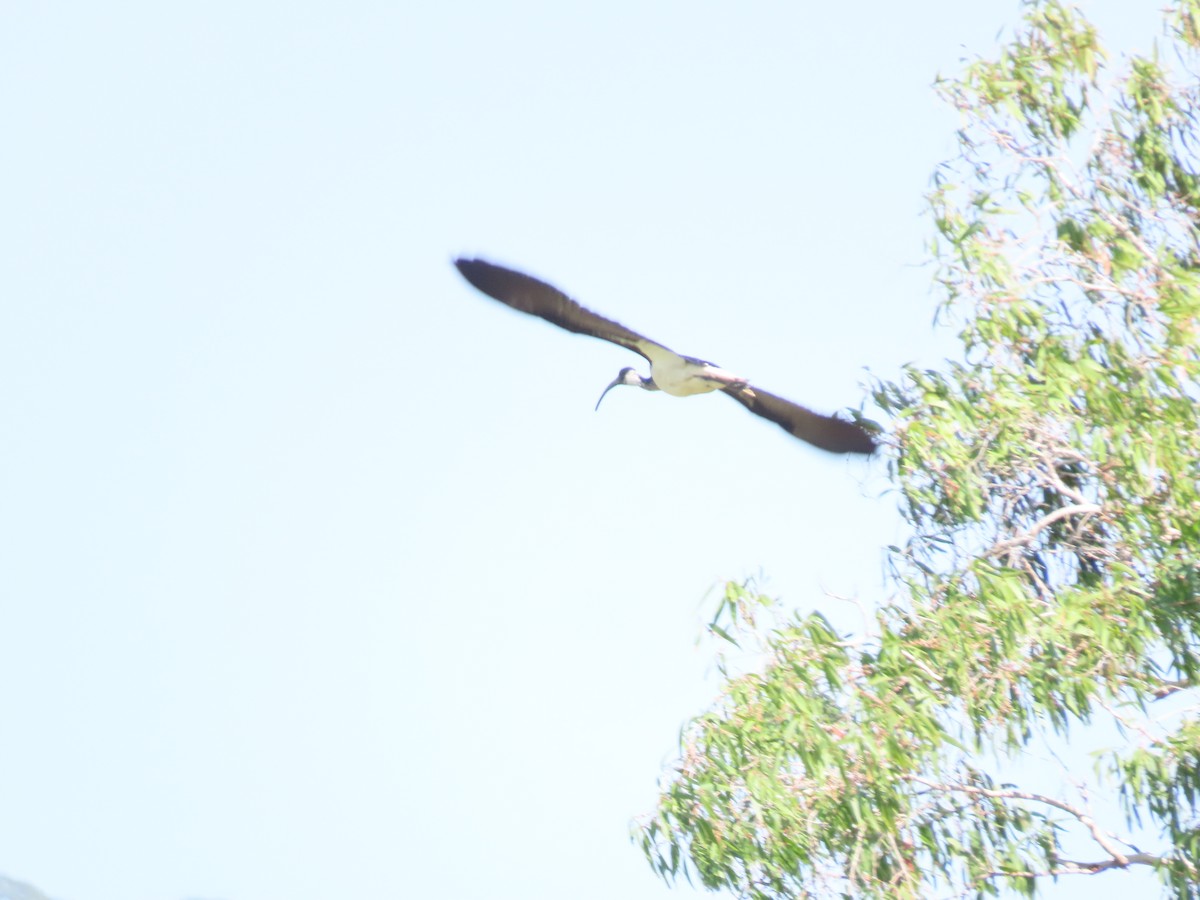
<point x="679" y="376"/>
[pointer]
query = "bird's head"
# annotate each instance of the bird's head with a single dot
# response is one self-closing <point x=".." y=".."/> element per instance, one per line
<point x="626" y="376"/>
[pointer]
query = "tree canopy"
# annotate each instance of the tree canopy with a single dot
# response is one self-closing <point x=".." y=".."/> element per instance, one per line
<point x="1050" y="481"/>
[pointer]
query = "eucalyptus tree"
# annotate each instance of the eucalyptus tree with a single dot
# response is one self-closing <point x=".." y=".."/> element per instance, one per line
<point x="1050" y="480"/>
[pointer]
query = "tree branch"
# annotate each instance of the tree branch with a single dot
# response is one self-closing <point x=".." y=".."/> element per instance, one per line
<point x="1101" y="837"/>
<point x="1027" y="537"/>
<point x="1171" y="687"/>
<point x="1073" y="867"/>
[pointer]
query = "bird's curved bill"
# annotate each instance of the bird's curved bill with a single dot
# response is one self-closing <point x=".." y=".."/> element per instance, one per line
<point x="615" y="382"/>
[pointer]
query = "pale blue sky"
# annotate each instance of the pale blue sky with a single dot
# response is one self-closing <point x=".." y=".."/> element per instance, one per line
<point x="319" y="577"/>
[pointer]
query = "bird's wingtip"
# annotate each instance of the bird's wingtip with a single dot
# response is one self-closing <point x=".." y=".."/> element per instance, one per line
<point x="475" y="271"/>
<point x="869" y="436"/>
<point x="850" y="437"/>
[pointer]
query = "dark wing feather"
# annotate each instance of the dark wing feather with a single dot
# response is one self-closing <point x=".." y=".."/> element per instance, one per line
<point x="825" y="432"/>
<point x="529" y="295"/>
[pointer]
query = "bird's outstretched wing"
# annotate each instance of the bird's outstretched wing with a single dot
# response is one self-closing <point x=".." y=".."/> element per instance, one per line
<point x="826" y="432"/>
<point x="529" y="295"/>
